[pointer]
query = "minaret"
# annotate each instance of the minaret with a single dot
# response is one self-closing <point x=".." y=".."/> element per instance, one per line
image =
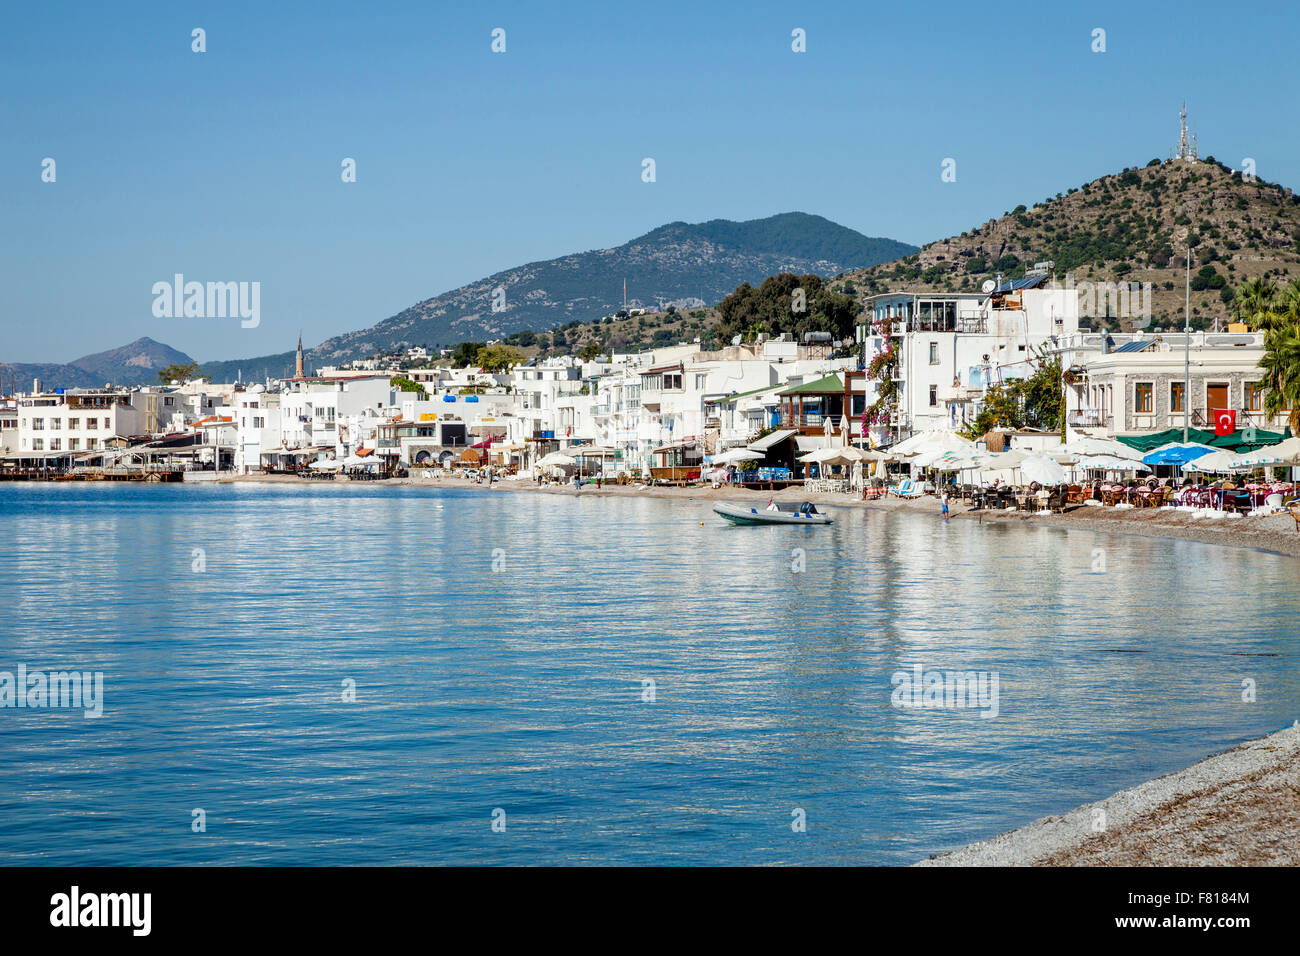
<point x="297" y="371"/>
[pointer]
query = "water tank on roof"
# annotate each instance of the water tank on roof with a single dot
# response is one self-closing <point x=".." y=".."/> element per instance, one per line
<point x="819" y="338"/>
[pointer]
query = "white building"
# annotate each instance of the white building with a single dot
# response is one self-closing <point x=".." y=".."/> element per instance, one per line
<point x="73" y="420"/>
<point x="1126" y="384"/>
<point x="952" y="346"/>
<point x="257" y="415"/>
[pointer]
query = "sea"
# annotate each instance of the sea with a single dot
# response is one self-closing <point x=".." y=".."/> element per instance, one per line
<point x="361" y="674"/>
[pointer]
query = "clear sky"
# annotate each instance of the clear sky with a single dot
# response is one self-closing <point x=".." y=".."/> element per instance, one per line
<point x="225" y="165"/>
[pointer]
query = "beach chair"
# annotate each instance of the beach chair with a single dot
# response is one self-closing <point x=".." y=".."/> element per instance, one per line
<point x="1295" y="514"/>
<point x="902" y="489"/>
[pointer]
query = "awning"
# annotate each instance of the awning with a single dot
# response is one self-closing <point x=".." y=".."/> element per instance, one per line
<point x="673" y="447"/>
<point x="810" y="442"/>
<point x="767" y="441"/>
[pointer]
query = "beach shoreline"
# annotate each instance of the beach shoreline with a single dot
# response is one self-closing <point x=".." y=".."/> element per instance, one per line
<point x="1239" y="807"/>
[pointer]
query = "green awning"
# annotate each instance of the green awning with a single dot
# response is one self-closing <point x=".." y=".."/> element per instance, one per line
<point x="826" y="384"/>
<point x="1234" y="442"/>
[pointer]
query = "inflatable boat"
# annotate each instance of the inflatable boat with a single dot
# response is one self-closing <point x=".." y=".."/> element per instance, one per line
<point x="779" y="513"/>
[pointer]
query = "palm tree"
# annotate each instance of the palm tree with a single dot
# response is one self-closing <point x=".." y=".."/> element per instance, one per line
<point x="1288" y="306"/>
<point x="1281" y="368"/>
<point x="1255" y="302"/>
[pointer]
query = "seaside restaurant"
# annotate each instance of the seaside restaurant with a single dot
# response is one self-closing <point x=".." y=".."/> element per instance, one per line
<point x="820" y="412"/>
<point x="680" y="461"/>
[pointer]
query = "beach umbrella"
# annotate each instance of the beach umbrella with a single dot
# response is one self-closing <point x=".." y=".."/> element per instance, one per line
<point x="1217" y="461"/>
<point x="820" y="456"/>
<point x="1285" y="454"/>
<point x="1086" y="446"/>
<point x="1041" y="469"/>
<point x="325" y="464"/>
<point x="1110" y="463"/>
<point x="1176" y="453"/>
<point x="734" y="456"/>
<point x="556" y="460"/>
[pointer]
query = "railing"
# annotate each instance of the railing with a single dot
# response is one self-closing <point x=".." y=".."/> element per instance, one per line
<point x="1086" y="417"/>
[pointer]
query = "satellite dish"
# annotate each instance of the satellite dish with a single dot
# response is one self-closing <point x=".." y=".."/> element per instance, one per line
<point x="988" y="286"/>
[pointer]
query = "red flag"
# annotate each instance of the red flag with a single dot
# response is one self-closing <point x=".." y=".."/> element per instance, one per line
<point x="1225" y="421"/>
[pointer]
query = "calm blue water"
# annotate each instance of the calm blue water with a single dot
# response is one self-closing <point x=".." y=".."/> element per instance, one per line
<point x="522" y="689"/>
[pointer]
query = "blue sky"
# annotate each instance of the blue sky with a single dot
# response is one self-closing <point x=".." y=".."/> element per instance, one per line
<point x="225" y="165"/>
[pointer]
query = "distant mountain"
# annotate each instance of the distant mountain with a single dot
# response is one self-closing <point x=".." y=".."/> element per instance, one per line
<point x="134" y="364"/>
<point x="1130" y="226"/>
<point x="680" y="263"/>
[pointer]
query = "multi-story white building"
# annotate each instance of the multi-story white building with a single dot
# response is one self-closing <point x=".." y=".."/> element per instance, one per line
<point x="952" y="346"/>
<point x="74" y="420"/>
<point x="257" y="415"/>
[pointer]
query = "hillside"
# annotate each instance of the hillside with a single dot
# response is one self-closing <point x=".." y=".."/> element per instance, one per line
<point x="686" y="265"/>
<point x="134" y="364"/>
<point x="1133" y="226"/>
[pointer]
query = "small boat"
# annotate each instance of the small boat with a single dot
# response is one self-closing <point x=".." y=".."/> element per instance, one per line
<point x="780" y="513"/>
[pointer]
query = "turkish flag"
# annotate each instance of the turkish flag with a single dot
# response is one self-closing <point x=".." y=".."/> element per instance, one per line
<point x="1225" y="421"/>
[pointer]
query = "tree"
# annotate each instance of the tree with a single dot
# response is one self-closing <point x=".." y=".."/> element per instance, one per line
<point x="178" y="373"/>
<point x="787" y="303"/>
<point x="465" y="354"/>
<point x="1255" y="302"/>
<point x="404" y="384"/>
<point x="1281" y="367"/>
<point x="498" y="358"/>
<point x="590" y="351"/>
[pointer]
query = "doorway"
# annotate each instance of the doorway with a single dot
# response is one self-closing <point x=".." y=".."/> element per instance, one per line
<point x="1216" y="398"/>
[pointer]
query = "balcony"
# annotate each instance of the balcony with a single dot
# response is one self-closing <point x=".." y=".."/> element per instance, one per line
<point x="1086" y="418"/>
<point x="897" y="329"/>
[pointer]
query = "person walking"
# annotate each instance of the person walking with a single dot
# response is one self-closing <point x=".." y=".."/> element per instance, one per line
<point x="944" y="510"/>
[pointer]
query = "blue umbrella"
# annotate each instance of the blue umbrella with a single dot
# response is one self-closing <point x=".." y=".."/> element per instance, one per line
<point x="1175" y="454"/>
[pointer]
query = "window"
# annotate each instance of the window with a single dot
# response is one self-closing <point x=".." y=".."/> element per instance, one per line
<point x="934" y="395"/>
<point x="56" y="424"/>
<point x="1142" y="398"/>
<point x="74" y="444"/>
<point x="1176" y="393"/>
<point x="1254" y="397"/>
<point x="701" y="382"/>
<point x="74" y="424"/>
<point x="672" y="380"/>
<point x="934" y="353"/>
<point x="38" y="444"/>
<point x="38" y="424"/>
<point x="56" y="444"/>
<point x="92" y="424"/>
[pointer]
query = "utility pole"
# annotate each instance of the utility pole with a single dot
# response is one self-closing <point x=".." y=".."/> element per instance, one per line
<point x="1187" y="349"/>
